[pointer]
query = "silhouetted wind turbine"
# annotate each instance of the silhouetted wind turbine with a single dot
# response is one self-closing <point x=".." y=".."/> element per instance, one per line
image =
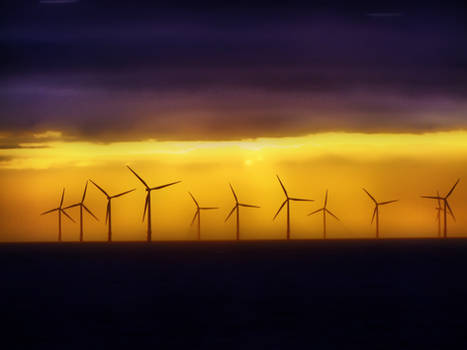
<point x="147" y="203"/>
<point x="376" y="211"/>
<point x="237" y="209"/>
<point x="446" y="206"/>
<point x="198" y="214"/>
<point x="81" y="207"/>
<point x="108" y="213"/>
<point x="325" y="211"/>
<point x="287" y="201"/>
<point x="60" y="210"/>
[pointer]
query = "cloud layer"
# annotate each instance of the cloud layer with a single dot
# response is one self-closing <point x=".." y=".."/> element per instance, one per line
<point x="104" y="73"/>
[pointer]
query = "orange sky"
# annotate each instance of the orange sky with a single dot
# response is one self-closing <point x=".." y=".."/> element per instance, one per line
<point x="390" y="166"/>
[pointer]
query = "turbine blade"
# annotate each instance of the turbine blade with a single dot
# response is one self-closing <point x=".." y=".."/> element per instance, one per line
<point x="387" y="202"/>
<point x="280" y="209"/>
<point x="335" y="217"/>
<point x="452" y="189"/>
<point x="235" y="196"/>
<point x="248" y="205"/>
<point x="282" y="185"/>
<point x="368" y="193"/>
<point x="49" y="211"/>
<point x="68" y="216"/>
<point x="146" y="203"/>
<point x="431" y="197"/>
<point x="84" y="193"/>
<point x="72" y="206"/>
<point x="374" y="214"/>
<point x="301" y="200"/>
<point x="194" y="217"/>
<point x="107" y="212"/>
<point x="316" y="211"/>
<point x="100" y="188"/>
<point x="326" y="199"/>
<point x="140" y="179"/>
<point x="86" y="208"/>
<point x="450" y="210"/>
<point x="208" y="208"/>
<point x="194" y="200"/>
<point x="61" y="200"/>
<point x="231" y="212"/>
<point x="170" y="184"/>
<point x="123" y="193"/>
<point x="439" y="200"/>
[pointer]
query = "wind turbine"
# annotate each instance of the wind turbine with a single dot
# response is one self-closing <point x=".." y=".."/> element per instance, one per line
<point x="445" y="207"/>
<point x="147" y="203"/>
<point x="60" y="211"/>
<point x="376" y="211"/>
<point x="108" y="213"/>
<point x="81" y="207"/>
<point x="198" y="214"/>
<point x="325" y="211"/>
<point x="237" y="208"/>
<point x="287" y="201"/>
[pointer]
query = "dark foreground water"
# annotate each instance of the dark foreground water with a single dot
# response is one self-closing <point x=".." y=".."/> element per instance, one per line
<point x="392" y="294"/>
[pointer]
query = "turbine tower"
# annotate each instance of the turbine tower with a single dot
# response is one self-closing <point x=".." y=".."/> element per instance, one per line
<point x="60" y="211"/>
<point x="237" y="209"/>
<point x="376" y="211"/>
<point x="108" y="213"/>
<point x="325" y="211"/>
<point x="198" y="214"/>
<point x="147" y="203"/>
<point x="287" y="201"/>
<point x="446" y="207"/>
<point x="439" y="209"/>
<point x="81" y="207"/>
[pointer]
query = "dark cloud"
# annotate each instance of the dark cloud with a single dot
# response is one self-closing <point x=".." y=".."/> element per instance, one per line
<point x="119" y="72"/>
<point x="29" y="140"/>
<point x="16" y="146"/>
<point x="4" y="159"/>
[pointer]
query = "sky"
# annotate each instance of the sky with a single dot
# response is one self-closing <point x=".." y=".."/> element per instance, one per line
<point x="329" y="95"/>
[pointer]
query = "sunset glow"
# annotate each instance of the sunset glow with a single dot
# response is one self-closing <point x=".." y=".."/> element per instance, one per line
<point x="402" y="166"/>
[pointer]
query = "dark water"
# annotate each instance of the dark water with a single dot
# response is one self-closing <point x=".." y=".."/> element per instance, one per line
<point x="392" y="294"/>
